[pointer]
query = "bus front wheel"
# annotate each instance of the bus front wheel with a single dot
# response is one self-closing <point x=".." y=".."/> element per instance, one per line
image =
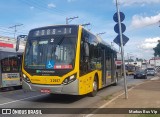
<point x="95" y="87"/>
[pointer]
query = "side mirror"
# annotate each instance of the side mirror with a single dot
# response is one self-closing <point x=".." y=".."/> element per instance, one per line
<point x="18" y="40"/>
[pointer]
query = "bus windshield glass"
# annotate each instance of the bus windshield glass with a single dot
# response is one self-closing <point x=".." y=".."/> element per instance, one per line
<point x="11" y="64"/>
<point x="51" y="52"/>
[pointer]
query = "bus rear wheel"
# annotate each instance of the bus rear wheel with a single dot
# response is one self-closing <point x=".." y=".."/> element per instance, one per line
<point x="95" y="87"/>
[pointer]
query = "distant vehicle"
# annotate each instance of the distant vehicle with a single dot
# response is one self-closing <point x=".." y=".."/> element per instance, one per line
<point x="10" y="69"/>
<point x="131" y="69"/>
<point x="151" y="71"/>
<point x="144" y="65"/>
<point x="140" y="74"/>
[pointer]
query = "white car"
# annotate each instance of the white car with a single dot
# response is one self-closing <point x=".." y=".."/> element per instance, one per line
<point x="151" y="71"/>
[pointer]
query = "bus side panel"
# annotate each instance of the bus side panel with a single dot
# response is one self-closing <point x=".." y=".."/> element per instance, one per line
<point x="86" y="82"/>
<point x="10" y="79"/>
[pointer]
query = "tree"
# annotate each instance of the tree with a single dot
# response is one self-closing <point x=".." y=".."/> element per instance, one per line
<point x="130" y="60"/>
<point x="157" y="50"/>
<point x="139" y="59"/>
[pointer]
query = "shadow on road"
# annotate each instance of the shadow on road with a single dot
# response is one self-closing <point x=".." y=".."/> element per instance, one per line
<point x="57" y="98"/>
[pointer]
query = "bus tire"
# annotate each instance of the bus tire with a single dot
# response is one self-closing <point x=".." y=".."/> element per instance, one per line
<point x="95" y="87"/>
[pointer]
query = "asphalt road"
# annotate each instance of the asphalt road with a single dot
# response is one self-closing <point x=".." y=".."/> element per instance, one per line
<point x="20" y="99"/>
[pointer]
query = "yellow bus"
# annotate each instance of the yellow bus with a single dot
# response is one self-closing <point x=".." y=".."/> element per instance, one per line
<point x="67" y="59"/>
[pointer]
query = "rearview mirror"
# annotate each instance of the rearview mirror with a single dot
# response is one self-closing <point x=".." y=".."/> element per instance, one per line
<point x="20" y="37"/>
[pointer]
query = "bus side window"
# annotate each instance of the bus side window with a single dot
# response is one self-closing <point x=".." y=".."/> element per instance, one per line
<point x="86" y="47"/>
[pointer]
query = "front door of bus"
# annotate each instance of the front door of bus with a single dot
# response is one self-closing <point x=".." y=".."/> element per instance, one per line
<point x="103" y="67"/>
<point x="106" y="68"/>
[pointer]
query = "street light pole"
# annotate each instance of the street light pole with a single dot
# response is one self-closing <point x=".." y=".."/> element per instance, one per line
<point x="15" y="29"/>
<point x="70" y="19"/>
<point x="86" y="24"/>
<point x="101" y="33"/>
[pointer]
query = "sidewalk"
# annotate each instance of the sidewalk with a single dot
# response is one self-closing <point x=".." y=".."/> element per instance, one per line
<point x="145" y="95"/>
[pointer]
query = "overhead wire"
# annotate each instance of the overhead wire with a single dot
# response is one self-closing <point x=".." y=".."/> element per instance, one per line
<point x="39" y="5"/>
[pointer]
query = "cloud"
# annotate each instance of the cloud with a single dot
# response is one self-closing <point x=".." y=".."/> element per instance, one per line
<point x="136" y="2"/>
<point x="152" y="40"/>
<point x="71" y="0"/>
<point x="51" y="5"/>
<point x="32" y="7"/>
<point x="140" y="21"/>
<point x="149" y="43"/>
<point x="142" y="49"/>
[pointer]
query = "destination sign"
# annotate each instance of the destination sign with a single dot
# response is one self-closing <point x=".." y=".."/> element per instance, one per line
<point x="53" y="31"/>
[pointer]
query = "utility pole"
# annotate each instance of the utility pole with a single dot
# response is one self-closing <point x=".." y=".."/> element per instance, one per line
<point x="15" y="29"/>
<point x="70" y="19"/>
<point x="128" y="57"/>
<point x="122" y="50"/>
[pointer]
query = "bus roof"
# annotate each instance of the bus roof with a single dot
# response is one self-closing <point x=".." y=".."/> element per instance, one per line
<point x="99" y="39"/>
<point x="54" y="25"/>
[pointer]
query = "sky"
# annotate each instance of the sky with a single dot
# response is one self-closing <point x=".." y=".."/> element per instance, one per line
<point x="142" y="20"/>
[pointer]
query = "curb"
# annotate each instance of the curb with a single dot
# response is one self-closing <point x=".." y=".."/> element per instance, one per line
<point x="117" y="95"/>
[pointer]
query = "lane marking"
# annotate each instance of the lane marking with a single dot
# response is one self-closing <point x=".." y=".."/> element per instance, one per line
<point x="21" y="100"/>
<point x="155" y="78"/>
<point x="89" y="115"/>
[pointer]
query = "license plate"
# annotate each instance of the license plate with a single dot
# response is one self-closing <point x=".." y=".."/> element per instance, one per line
<point x="45" y="91"/>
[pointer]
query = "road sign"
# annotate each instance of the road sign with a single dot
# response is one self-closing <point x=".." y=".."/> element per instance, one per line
<point x="122" y="17"/>
<point x="118" y="42"/>
<point x="116" y="28"/>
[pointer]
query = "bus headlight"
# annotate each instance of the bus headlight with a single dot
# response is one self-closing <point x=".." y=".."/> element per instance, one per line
<point x="70" y="79"/>
<point x="25" y="78"/>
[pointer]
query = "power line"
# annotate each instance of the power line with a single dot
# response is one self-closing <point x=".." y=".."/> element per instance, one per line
<point x="15" y="28"/>
<point x="41" y="7"/>
<point x="40" y="2"/>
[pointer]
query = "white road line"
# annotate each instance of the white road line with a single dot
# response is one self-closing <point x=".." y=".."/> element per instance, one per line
<point x="21" y="99"/>
<point x="89" y="115"/>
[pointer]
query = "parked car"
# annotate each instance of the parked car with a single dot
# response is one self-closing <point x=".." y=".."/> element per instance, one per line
<point x="140" y="74"/>
<point x="151" y="71"/>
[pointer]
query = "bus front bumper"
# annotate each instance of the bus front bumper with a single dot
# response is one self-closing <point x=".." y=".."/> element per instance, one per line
<point x="71" y="88"/>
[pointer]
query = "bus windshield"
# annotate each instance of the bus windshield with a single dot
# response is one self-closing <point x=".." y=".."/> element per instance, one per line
<point x="11" y="64"/>
<point x="50" y="52"/>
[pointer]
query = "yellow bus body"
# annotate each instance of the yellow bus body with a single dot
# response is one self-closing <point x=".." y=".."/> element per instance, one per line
<point x="85" y="82"/>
